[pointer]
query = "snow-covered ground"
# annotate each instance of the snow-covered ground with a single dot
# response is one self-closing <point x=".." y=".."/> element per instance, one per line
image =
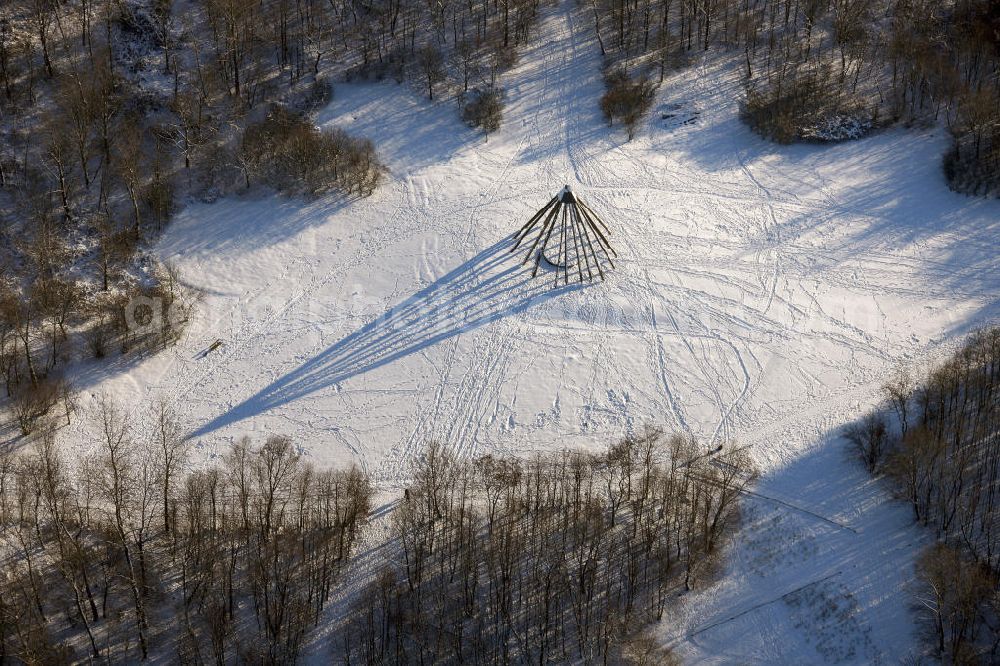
<point x="762" y="295"/>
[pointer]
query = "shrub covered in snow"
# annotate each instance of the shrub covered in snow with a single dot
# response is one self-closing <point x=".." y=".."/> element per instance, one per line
<point x="837" y="127"/>
<point x="804" y="106"/>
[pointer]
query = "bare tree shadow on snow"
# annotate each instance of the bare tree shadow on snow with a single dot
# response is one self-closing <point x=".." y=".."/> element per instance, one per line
<point x="825" y="554"/>
<point x="489" y="287"/>
<point x="411" y="133"/>
<point x="240" y="225"/>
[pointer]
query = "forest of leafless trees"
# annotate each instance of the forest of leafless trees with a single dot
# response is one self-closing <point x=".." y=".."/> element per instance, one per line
<point x="938" y="442"/>
<point x="831" y="70"/>
<point x="561" y="558"/>
<point x="125" y="556"/>
<point x="128" y="554"/>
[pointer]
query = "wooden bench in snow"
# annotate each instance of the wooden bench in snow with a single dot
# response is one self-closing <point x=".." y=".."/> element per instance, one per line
<point x="212" y="347"/>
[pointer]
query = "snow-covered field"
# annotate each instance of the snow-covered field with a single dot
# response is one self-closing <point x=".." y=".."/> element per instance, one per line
<point x="762" y="295"/>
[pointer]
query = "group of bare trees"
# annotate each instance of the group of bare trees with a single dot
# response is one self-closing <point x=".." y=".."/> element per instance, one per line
<point x="79" y="152"/>
<point x="81" y="184"/>
<point x="947" y="458"/>
<point x="560" y="558"/>
<point x="123" y="556"/>
<point x="42" y="316"/>
<point x="128" y="553"/>
<point x="626" y="99"/>
<point x="831" y="69"/>
<point x="938" y="441"/>
<point x="288" y="152"/>
<point x="111" y="113"/>
<point x="465" y="46"/>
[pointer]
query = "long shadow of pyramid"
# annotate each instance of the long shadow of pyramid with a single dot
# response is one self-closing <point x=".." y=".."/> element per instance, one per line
<point x="487" y="288"/>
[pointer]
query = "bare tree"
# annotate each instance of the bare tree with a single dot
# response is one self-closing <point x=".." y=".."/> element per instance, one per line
<point x="32" y="403"/>
<point x="899" y="390"/>
<point x="954" y="591"/>
<point x="431" y="64"/>
<point x="173" y="449"/>
<point x="869" y="438"/>
<point x="130" y="164"/>
<point x="121" y="465"/>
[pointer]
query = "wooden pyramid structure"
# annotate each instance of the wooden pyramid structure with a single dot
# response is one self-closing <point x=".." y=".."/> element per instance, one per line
<point x="572" y="239"/>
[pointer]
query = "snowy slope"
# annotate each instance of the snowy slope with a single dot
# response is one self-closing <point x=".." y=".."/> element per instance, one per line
<point x="762" y="295"/>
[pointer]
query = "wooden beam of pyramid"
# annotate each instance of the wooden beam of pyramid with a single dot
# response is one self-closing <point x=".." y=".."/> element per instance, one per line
<point x="577" y="235"/>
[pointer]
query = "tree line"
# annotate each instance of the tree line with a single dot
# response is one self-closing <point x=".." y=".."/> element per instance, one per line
<point x="830" y="70"/>
<point x="127" y="555"/>
<point x="558" y="558"/>
<point x="130" y="553"/>
<point x="49" y="315"/>
<point x="937" y="440"/>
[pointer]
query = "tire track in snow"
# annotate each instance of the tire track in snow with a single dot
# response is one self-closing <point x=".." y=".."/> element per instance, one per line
<point x="395" y="464"/>
<point x="248" y="333"/>
<point x="757" y="606"/>
<point x="726" y="411"/>
<point x="253" y="331"/>
<point x="245" y="337"/>
<point x="656" y="342"/>
<point x="480" y="388"/>
<point x="482" y="382"/>
<point x="711" y="377"/>
<point x="774" y="232"/>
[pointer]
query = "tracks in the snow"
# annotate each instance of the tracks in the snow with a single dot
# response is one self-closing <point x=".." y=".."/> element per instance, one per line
<point x="759" y="605"/>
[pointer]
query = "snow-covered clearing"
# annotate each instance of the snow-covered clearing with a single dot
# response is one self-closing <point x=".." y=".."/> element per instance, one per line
<point x="762" y="295"/>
